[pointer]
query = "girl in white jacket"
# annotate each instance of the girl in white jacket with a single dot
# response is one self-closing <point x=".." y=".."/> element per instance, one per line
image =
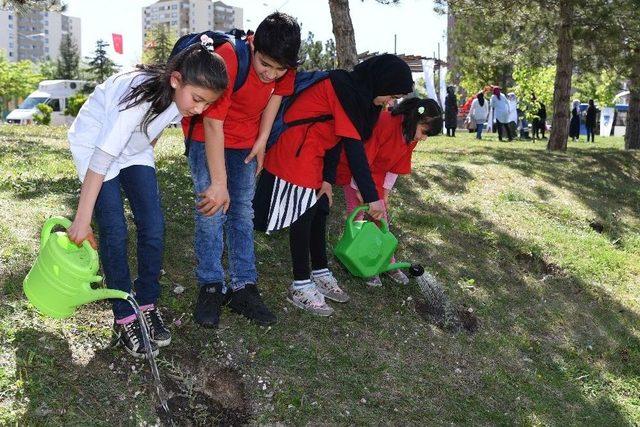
<point x="112" y="145"/>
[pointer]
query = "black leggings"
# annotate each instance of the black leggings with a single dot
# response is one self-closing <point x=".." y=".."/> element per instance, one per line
<point x="451" y="131"/>
<point x="591" y="132"/>
<point x="308" y="236"/>
<point x="504" y="126"/>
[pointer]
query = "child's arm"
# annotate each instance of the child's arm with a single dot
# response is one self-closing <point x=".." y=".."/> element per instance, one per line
<point x="389" y="182"/>
<point x="354" y="150"/>
<point x="216" y="196"/>
<point x="268" y="116"/>
<point x="80" y="229"/>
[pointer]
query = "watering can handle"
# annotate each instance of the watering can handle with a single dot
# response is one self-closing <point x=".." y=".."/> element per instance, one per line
<point x="384" y="226"/>
<point x="48" y="227"/>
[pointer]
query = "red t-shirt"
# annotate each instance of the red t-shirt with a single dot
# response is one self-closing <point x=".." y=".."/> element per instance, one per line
<point x="387" y="151"/>
<point x="241" y="111"/>
<point x="298" y="156"/>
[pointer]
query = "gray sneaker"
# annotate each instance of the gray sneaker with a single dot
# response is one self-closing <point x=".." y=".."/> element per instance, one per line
<point x="399" y="277"/>
<point x="328" y="286"/>
<point x="374" y="281"/>
<point x="309" y="299"/>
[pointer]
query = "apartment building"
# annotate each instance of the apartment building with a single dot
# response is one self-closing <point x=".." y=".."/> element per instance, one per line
<point x="35" y="35"/>
<point x="190" y="16"/>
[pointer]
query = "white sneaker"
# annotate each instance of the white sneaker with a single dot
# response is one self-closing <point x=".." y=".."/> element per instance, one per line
<point x="310" y="299"/>
<point x="328" y="286"/>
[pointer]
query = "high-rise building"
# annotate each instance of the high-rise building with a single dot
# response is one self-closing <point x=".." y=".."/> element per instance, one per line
<point x="35" y="35"/>
<point x="190" y="16"/>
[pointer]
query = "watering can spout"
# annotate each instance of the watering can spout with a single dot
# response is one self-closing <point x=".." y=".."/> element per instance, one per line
<point x="396" y="266"/>
<point x="97" y="294"/>
<point x="103" y="293"/>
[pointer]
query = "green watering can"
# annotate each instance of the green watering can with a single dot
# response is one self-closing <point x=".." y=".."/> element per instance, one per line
<point x="365" y="249"/>
<point x="60" y="280"/>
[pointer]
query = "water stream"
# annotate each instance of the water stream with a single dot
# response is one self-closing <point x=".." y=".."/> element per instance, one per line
<point x="160" y="391"/>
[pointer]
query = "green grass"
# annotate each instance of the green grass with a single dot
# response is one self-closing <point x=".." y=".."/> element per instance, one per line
<point x="544" y="247"/>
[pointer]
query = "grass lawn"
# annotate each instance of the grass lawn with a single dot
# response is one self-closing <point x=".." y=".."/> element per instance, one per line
<point x="545" y="248"/>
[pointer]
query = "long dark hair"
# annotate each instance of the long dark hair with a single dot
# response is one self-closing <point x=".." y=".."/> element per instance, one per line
<point x="410" y="108"/>
<point x="197" y="65"/>
<point x="480" y="97"/>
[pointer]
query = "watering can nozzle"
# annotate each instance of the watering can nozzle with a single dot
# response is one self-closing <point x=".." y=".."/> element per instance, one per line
<point x="416" y="270"/>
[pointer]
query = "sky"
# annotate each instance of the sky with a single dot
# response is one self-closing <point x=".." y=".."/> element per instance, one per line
<point x="418" y="28"/>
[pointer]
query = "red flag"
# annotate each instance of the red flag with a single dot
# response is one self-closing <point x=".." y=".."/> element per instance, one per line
<point x="117" y="42"/>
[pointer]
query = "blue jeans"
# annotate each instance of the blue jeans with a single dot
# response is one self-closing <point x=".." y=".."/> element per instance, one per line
<point x="237" y="223"/>
<point x="479" y="127"/>
<point x="140" y="187"/>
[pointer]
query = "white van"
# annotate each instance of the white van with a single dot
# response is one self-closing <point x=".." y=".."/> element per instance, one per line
<point x="54" y="93"/>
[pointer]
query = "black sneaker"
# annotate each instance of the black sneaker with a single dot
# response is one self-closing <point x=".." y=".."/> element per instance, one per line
<point x="159" y="333"/>
<point x="248" y="302"/>
<point x="130" y="336"/>
<point x="209" y="304"/>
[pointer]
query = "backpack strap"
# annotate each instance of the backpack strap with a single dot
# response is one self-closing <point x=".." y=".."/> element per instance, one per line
<point x="307" y="120"/>
<point x="243" y="55"/>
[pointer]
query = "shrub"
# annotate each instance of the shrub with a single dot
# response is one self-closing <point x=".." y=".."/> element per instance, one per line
<point x="74" y="104"/>
<point x="44" y="115"/>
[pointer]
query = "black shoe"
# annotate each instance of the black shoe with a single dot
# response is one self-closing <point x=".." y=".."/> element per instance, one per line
<point x="130" y="336"/>
<point x="159" y="333"/>
<point x="248" y="302"/>
<point x="209" y="305"/>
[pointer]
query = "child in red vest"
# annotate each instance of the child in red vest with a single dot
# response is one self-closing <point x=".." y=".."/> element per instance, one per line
<point x="225" y="150"/>
<point x="293" y="191"/>
<point x="389" y="153"/>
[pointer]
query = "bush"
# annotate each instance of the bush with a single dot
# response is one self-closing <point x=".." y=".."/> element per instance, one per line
<point x="44" y="116"/>
<point x="74" y="104"/>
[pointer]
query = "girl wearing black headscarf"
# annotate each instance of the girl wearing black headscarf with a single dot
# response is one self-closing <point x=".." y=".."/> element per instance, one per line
<point x="294" y="189"/>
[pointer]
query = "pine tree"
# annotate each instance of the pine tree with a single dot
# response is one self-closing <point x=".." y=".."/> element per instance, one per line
<point x="69" y="59"/>
<point x="158" y="45"/>
<point x="100" y="65"/>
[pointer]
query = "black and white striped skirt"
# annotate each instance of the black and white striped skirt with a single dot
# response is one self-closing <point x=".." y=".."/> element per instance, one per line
<point x="277" y="203"/>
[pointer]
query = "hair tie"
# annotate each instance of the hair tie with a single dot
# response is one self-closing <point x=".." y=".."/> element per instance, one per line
<point x="421" y="110"/>
<point x="207" y="42"/>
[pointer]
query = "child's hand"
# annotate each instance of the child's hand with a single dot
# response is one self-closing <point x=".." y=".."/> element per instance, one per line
<point x="326" y="189"/>
<point x="216" y="196"/>
<point x="78" y="232"/>
<point x="376" y="209"/>
<point x="258" y="152"/>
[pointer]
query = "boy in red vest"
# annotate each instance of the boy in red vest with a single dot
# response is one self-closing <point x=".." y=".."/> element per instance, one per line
<point x="226" y="151"/>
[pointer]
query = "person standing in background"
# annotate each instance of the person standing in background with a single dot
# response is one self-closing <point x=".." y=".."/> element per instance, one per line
<point x="590" y="120"/>
<point x="500" y="107"/>
<point x="540" y="124"/>
<point x="512" y="124"/>
<point x="574" y="125"/>
<point x="479" y="111"/>
<point x="451" y="111"/>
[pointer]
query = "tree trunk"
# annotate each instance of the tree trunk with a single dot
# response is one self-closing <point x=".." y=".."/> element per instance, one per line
<point x="343" y="31"/>
<point x="632" y="134"/>
<point x="562" y="86"/>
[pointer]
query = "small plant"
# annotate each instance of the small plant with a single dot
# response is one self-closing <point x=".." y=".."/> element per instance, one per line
<point x="44" y="115"/>
<point x="74" y="103"/>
